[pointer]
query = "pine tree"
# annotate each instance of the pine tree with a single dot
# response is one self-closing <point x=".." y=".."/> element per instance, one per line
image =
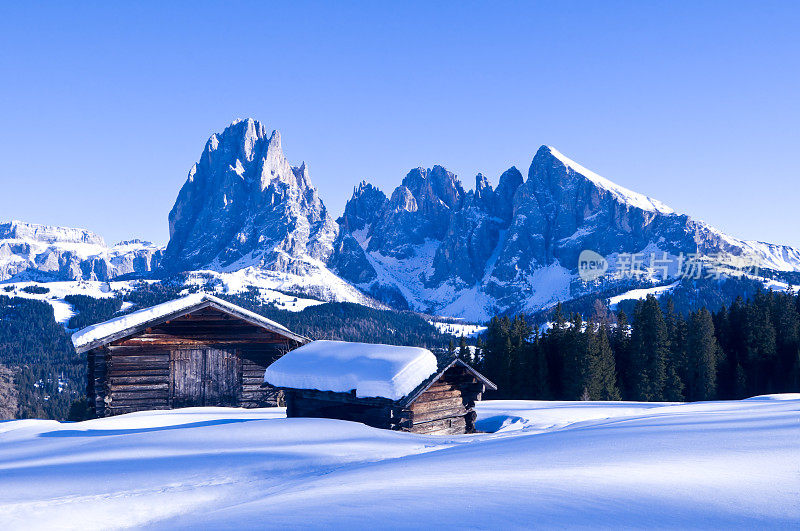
<point x="649" y="351"/>
<point x="620" y="343"/>
<point x="676" y="365"/>
<point x="601" y="382"/>
<point x="726" y="366"/>
<point x="761" y="346"/>
<point x="575" y="359"/>
<point x="8" y="394"/>
<point x="740" y="385"/>
<point x="702" y="352"/>
<point x="786" y="320"/>
<point x="463" y="350"/>
<point x="538" y="387"/>
<point x="552" y="344"/>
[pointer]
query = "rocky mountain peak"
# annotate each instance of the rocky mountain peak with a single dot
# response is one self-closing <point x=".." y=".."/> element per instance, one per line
<point x="554" y="172"/>
<point x="363" y="208"/>
<point x="434" y="185"/>
<point x="245" y="204"/>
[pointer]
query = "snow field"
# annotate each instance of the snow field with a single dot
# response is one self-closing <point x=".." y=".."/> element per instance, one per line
<point x="730" y="465"/>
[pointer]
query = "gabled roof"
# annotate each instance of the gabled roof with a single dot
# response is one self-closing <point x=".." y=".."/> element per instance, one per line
<point x="445" y="362"/>
<point x="127" y="325"/>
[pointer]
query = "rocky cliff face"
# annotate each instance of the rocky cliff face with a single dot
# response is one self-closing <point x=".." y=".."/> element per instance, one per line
<point x="244" y="210"/>
<point x="40" y="252"/>
<point x="244" y="205"/>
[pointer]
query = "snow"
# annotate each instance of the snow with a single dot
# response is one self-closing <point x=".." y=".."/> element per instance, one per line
<point x="372" y="370"/>
<point x="99" y="331"/>
<point x="267" y="286"/>
<point x="27" y="247"/>
<point x="458" y="329"/>
<point x="62" y="311"/>
<point x="622" y="194"/>
<point x="729" y="465"/>
<point x="641" y="293"/>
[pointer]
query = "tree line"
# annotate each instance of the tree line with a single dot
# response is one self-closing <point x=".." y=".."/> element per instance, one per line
<point x="658" y="354"/>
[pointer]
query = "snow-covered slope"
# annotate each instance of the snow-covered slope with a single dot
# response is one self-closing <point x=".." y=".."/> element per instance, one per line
<point x="40" y="252"/>
<point x="721" y="465"/>
<point x="54" y="293"/>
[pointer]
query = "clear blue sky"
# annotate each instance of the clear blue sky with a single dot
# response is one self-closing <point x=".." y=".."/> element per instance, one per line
<point x="106" y="106"/>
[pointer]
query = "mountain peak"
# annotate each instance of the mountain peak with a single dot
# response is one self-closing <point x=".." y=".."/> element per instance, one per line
<point x="245" y="204"/>
<point x="622" y="194"/>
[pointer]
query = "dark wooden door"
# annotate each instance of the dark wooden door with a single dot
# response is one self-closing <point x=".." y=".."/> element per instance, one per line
<point x="222" y="378"/>
<point x="205" y="377"/>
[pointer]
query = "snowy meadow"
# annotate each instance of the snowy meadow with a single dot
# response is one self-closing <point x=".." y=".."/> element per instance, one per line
<point x="726" y="464"/>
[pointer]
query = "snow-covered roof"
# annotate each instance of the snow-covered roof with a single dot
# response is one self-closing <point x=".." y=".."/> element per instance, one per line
<point x="372" y="370"/>
<point x="101" y="333"/>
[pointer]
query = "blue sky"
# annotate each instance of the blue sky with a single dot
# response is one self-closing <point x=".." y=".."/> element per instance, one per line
<point x="106" y="106"/>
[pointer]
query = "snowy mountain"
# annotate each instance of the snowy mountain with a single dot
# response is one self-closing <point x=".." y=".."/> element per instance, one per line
<point x="247" y="217"/>
<point x="433" y="247"/>
<point x="45" y="253"/>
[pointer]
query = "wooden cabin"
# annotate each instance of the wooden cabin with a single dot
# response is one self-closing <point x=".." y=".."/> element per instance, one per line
<point x="434" y="396"/>
<point x="194" y="351"/>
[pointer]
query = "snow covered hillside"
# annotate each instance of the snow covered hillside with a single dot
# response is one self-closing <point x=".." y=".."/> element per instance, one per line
<point x="550" y="464"/>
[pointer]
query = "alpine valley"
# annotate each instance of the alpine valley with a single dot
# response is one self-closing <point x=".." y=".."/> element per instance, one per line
<point x="248" y="219"/>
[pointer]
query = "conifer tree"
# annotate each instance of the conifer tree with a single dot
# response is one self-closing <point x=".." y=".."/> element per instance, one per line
<point x="675" y="364"/>
<point x="649" y="351"/>
<point x="620" y="342"/>
<point x="702" y="350"/>
<point x="8" y="394"/>
<point x="538" y="384"/>
<point x="463" y="350"/>
<point x="575" y="359"/>
<point x="601" y="382"/>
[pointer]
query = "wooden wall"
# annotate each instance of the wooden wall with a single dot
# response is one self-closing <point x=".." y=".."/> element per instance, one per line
<point x="206" y="358"/>
<point x="376" y="412"/>
<point x="446" y="407"/>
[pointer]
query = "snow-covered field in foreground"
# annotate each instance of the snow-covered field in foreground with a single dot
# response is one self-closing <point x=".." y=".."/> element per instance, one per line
<point x="551" y="464"/>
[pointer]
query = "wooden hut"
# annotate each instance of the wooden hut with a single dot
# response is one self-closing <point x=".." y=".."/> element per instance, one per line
<point x="194" y="351"/>
<point x="391" y="387"/>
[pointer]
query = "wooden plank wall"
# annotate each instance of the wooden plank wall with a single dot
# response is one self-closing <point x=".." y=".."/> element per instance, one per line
<point x="205" y="358"/>
<point x="255" y="360"/>
<point x="447" y="406"/>
<point x="375" y="412"/>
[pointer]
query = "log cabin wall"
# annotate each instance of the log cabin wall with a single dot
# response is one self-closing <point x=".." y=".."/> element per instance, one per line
<point x="447" y="406"/>
<point x="375" y="412"/>
<point x="205" y="358"/>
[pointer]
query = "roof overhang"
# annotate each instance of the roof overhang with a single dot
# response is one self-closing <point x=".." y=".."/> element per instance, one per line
<point x="456" y="361"/>
<point x="127" y="325"/>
